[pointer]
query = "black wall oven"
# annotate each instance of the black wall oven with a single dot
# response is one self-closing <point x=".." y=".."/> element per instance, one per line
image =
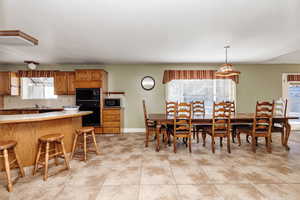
<point x="88" y="99"/>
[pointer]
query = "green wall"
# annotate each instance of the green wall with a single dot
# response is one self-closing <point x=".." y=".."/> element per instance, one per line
<point x="257" y="82"/>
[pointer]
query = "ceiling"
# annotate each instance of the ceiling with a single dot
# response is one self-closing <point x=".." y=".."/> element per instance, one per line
<point x="153" y="31"/>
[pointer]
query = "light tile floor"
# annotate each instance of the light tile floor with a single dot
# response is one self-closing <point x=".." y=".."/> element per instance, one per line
<point x="126" y="170"/>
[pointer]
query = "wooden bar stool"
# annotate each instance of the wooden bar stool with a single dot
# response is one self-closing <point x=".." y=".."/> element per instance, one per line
<point x="85" y="133"/>
<point x="5" y="147"/>
<point x="53" y="147"/>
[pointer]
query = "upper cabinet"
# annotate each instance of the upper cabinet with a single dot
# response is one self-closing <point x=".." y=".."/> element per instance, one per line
<point x="64" y="83"/>
<point x="90" y="78"/>
<point x="10" y="84"/>
<point x="71" y="83"/>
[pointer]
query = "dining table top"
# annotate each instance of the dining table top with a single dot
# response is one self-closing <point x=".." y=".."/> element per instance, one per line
<point x="208" y="116"/>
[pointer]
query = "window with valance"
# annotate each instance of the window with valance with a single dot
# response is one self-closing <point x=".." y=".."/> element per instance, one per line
<point x="193" y="85"/>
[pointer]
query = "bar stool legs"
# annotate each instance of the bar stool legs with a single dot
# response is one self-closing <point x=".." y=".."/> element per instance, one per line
<point x="85" y="133"/>
<point x="5" y="146"/>
<point x="58" y="151"/>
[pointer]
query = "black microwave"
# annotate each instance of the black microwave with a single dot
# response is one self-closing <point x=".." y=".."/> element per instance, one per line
<point x="112" y="102"/>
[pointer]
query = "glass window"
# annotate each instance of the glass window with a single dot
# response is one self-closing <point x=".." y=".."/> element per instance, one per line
<point x="209" y="90"/>
<point x="37" y="88"/>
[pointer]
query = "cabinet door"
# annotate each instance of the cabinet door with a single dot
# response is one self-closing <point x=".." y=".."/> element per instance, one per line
<point x="4" y="83"/>
<point x="83" y="75"/>
<point x="14" y="84"/>
<point x="61" y="83"/>
<point x="96" y="75"/>
<point x="71" y="84"/>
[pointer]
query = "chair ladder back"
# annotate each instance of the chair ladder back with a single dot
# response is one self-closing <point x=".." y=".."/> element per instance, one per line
<point x="263" y="117"/>
<point x="183" y="118"/>
<point x="198" y="108"/>
<point x="221" y="118"/>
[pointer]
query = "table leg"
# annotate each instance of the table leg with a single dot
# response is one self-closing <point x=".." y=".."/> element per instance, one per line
<point x="157" y="132"/>
<point x="287" y="134"/>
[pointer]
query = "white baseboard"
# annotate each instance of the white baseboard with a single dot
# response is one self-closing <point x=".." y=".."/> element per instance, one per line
<point x="134" y="130"/>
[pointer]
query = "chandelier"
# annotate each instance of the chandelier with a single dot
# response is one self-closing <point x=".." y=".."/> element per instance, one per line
<point x="226" y="69"/>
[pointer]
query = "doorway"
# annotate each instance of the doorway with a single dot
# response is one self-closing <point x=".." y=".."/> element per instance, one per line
<point x="291" y="92"/>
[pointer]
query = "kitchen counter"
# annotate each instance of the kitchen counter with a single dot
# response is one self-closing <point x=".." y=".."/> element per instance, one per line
<point x="32" y="109"/>
<point x="6" y="119"/>
<point x="26" y="129"/>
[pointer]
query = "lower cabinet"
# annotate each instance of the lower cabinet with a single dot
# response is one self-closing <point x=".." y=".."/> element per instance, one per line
<point x="112" y="120"/>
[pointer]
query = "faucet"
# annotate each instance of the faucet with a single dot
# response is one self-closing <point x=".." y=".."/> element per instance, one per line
<point x="36" y="105"/>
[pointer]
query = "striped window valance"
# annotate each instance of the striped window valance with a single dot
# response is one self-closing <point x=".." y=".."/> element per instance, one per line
<point x="36" y="73"/>
<point x="293" y="77"/>
<point x="170" y="75"/>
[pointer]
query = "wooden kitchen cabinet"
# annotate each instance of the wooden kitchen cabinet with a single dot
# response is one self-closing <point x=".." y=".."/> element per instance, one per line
<point x="60" y="83"/>
<point x="71" y="83"/>
<point x="64" y="83"/>
<point x="90" y="78"/>
<point x="9" y="83"/>
<point x="112" y="120"/>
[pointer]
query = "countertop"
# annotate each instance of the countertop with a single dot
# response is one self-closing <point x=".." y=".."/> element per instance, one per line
<point x="31" y="109"/>
<point x="6" y="119"/>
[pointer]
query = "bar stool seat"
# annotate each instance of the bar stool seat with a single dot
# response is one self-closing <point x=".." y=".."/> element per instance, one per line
<point x="7" y="144"/>
<point x="85" y="130"/>
<point x="51" y="138"/>
<point x="5" y="147"/>
<point x="85" y="133"/>
<point x="57" y="151"/>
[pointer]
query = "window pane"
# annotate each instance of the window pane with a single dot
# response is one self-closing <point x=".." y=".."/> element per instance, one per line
<point x="37" y="88"/>
<point x="208" y="90"/>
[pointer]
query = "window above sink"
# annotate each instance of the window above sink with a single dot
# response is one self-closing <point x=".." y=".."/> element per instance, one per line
<point x="37" y="88"/>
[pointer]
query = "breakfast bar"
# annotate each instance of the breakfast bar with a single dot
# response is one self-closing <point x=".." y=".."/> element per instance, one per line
<point x="26" y="129"/>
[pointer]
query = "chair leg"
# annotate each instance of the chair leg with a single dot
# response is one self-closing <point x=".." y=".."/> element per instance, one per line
<point x="7" y="170"/>
<point x="95" y="143"/>
<point x="269" y="148"/>
<point x="194" y="132"/>
<point x="238" y="135"/>
<point x="213" y="144"/>
<point x="190" y="144"/>
<point x="46" y="162"/>
<point x="74" y="146"/>
<point x="65" y="154"/>
<point x="175" y="143"/>
<point x="147" y="137"/>
<point x="84" y="146"/>
<point x="197" y="135"/>
<point x="37" y="158"/>
<point x="22" y="173"/>
<point x="233" y="135"/>
<point x="282" y="136"/>
<point x="204" y="138"/>
<point x="253" y="144"/>
<point x="228" y="144"/>
<point x="221" y="142"/>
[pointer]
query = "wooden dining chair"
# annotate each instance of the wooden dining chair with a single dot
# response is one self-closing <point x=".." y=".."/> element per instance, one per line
<point x="149" y="125"/>
<point x="198" y="108"/>
<point x="280" y="109"/>
<point x="262" y="125"/>
<point x="171" y="107"/>
<point x="183" y="124"/>
<point x="221" y="125"/>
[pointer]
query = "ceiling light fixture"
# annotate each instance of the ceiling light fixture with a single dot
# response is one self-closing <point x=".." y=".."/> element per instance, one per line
<point x="32" y="65"/>
<point x="227" y="69"/>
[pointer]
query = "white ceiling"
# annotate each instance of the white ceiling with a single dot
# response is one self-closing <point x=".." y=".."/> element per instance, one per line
<point x="153" y="31"/>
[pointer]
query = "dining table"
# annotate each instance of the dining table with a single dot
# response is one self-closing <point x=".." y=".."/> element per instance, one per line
<point x="161" y="119"/>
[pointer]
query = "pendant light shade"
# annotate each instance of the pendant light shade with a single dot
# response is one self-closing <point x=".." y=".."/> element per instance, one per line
<point x="227" y="69"/>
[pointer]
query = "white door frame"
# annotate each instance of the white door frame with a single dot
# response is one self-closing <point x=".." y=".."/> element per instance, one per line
<point x="285" y="85"/>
